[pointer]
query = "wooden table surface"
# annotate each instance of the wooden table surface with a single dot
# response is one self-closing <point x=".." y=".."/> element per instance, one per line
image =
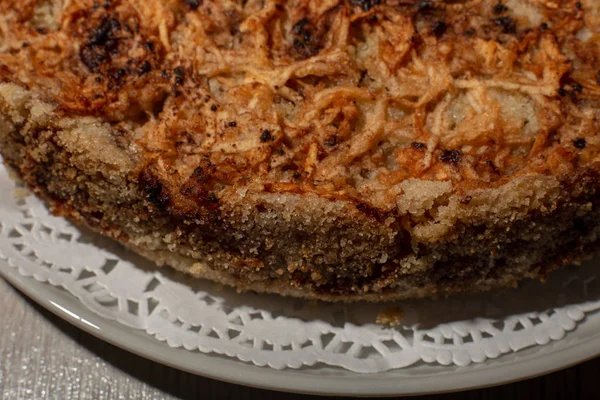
<point x="41" y="356"/>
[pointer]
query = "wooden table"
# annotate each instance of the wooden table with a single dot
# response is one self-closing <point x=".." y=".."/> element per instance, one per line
<point x="42" y="357"/>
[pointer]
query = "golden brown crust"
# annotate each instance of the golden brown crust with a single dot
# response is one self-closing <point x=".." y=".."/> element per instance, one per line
<point x="338" y="98"/>
<point x="334" y="145"/>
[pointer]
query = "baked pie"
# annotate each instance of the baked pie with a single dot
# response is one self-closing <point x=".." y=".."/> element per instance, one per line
<point x="328" y="149"/>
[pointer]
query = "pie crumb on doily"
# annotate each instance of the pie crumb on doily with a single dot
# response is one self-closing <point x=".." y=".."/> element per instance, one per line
<point x="390" y="316"/>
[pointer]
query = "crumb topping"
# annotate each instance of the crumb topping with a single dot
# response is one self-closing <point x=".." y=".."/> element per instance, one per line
<point x="342" y="98"/>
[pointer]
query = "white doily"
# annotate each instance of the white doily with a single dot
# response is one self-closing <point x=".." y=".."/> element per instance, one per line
<point x="268" y="330"/>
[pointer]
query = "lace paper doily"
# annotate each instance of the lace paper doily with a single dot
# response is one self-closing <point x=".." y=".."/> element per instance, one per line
<point x="268" y="330"/>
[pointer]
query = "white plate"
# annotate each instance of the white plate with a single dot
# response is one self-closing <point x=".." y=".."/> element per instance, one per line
<point x="578" y="346"/>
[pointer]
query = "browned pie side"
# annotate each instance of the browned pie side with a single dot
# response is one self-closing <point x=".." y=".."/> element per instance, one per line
<point x="339" y="150"/>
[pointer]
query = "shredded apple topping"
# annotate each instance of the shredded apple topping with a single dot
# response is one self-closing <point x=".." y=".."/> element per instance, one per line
<point x="345" y="99"/>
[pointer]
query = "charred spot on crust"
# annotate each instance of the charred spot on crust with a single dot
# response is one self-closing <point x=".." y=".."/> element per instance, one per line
<point x="154" y="190"/>
<point x="117" y="73"/>
<point x="366" y="5"/>
<point x="499" y="8"/>
<point x="92" y="58"/>
<point x="266" y="136"/>
<point x="571" y="89"/>
<point x="200" y="174"/>
<point x="305" y="39"/>
<point x="424" y="5"/>
<point x="439" y="28"/>
<point x="102" y="43"/>
<point x="179" y="75"/>
<point x="298" y="27"/>
<point x="331" y="141"/>
<point x="418" y="145"/>
<point x="105" y="32"/>
<point x="145" y="68"/>
<point x="451" y="156"/>
<point x="508" y="24"/>
<point x="193" y="4"/>
<point x="580" y="143"/>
